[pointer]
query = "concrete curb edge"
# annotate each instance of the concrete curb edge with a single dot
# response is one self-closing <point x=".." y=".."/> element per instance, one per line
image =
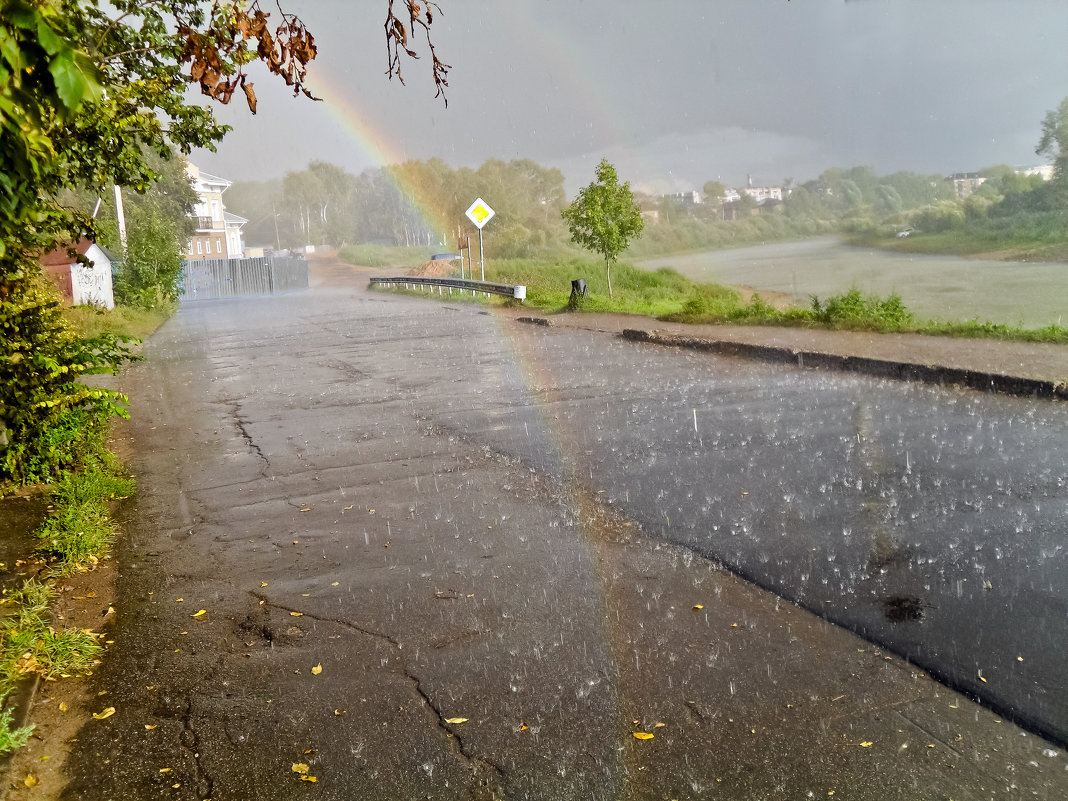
<point x="902" y="371"/>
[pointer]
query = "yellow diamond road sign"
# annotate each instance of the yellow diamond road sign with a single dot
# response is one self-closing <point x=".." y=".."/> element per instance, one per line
<point x="480" y="213"/>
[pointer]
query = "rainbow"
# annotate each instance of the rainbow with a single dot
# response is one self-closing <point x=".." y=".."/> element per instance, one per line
<point x="379" y="151"/>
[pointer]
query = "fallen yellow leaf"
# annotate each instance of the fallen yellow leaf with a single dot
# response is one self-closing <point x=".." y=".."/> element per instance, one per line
<point x="456" y="720"/>
<point x="317" y="669"/>
<point x="299" y="767"/>
<point x="165" y="770"/>
<point x="263" y="583"/>
<point x="149" y="726"/>
<point x="107" y="713"/>
<point x="642" y="735"/>
<point x="308" y="779"/>
<point x="698" y="606"/>
<point x="296" y="614"/>
<point x="63" y="707"/>
<point x="30" y="780"/>
<point x="866" y="744"/>
<point x="201" y="613"/>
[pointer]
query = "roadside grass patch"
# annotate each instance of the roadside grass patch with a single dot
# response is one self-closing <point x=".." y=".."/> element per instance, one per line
<point x="132" y="322"/>
<point x="79" y="532"/>
<point x="29" y="644"/>
<point x="74" y="538"/>
<point x="384" y="255"/>
<point x="974" y="329"/>
<point x="669" y="296"/>
<point x="637" y="291"/>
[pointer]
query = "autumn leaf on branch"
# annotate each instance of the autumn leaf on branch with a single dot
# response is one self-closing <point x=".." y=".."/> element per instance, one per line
<point x="213" y="54"/>
<point x="420" y="16"/>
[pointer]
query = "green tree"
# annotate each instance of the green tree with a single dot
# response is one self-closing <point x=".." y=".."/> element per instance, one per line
<point x="1054" y="140"/>
<point x="714" y="192"/>
<point x="604" y="217"/>
<point x="150" y="273"/>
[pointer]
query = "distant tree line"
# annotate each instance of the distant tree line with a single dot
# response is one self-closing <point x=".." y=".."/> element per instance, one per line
<point x="413" y="203"/>
<point x="423" y="203"/>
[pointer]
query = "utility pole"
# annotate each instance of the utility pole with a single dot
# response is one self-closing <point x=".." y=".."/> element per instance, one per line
<point x="120" y="214"/>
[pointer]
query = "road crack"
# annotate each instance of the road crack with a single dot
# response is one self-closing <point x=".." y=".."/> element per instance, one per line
<point x="242" y="426"/>
<point x="488" y="774"/>
<point x="190" y="740"/>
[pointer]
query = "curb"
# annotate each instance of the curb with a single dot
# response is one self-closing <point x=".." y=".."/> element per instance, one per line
<point x="881" y="368"/>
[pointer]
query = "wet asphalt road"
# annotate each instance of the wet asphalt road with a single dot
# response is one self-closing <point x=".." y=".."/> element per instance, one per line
<point x="931" y="521"/>
<point x="456" y="516"/>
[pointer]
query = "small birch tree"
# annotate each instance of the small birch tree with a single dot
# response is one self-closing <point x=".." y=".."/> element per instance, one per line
<point x="604" y="217"/>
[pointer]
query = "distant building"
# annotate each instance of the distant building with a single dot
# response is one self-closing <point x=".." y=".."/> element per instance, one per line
<point x="762" y="194"/>
<point x="218" y="234"/>
<point x="80" y="284"/>
<point x="965" y="183"/>
<point x="691" y="198"/>
<point x="1045" y="170"/>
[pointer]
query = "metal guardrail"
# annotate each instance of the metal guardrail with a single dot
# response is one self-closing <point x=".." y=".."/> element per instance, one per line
<point x="489" y="288"/>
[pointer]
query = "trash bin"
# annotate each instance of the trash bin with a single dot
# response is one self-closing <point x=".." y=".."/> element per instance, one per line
<point x="578" y="289"/>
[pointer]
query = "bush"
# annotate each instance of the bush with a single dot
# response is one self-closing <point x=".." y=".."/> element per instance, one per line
<point x="41" y="360"/>
<point x="857" y="311"/>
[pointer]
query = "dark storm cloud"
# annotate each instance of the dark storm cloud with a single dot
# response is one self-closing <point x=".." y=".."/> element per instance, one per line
<point x="676" y="92"/>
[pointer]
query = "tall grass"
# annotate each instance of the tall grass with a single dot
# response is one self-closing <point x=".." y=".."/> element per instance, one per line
<point x="385" y="255"/>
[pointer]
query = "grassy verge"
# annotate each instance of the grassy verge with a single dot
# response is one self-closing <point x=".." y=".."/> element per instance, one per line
<point x="75" y="536"/>
<point x="79" y="532"/>
<point x="668" y="296"/>
<point x="384" y="256"/>
<point x="635" y="291"/>
<point x="1036" y="236"/>
<point x="851" y="311"/>
<point x="29" y="644"/>
<point x="123" y="321"/>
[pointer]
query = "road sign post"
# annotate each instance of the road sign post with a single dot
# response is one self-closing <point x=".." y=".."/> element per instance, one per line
<point x="480" y="213"/>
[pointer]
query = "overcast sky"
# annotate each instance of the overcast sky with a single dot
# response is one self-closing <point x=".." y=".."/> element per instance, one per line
<point x="673" y="93"/>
